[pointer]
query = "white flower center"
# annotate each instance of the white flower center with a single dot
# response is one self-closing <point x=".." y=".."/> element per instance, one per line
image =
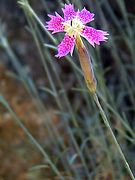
<point x="73" y="27"/>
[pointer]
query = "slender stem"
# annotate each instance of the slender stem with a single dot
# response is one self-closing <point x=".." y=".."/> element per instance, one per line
<point x="25" y="5"/>
<point x="113" y="136"/>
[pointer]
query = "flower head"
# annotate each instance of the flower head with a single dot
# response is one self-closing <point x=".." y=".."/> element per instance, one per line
<point x="74" y="26"/>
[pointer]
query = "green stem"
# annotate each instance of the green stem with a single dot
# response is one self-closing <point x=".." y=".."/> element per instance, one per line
<point x="113" y="136"/>
<point x="25" y="5"/>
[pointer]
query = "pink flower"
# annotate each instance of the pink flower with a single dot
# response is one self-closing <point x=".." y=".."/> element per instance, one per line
<point x="74" y="25"/>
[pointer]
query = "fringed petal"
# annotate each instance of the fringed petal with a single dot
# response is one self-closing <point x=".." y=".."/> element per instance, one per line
<point x="69" y="12"/>
<point x="66" y="46"/>
<point x="55" y="24"/>
<point x="94" y="36"/>
<point x="85" y="16"/>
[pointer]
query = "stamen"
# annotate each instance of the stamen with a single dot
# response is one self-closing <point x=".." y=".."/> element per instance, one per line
<point x="74" y="27"/>
<point x="71" y="23"/>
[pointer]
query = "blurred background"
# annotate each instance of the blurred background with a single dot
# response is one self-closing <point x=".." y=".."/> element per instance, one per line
<point x="50" y="127"/>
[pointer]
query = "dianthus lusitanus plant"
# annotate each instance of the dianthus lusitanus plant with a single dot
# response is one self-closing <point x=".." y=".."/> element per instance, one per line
<point x="74" y="25"/>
